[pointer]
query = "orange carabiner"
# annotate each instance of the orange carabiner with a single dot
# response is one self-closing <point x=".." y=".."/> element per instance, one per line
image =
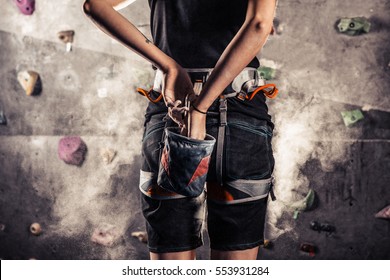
<point x="147" y="95"/>
<point x="269" y="91"/>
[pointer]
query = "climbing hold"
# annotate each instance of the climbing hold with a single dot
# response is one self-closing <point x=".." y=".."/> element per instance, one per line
<point x="141" y="235"/>
<point x="384" y="213"/>
<point x="354" y="26"/>
<point x="102" y="92"/>
<point x="108" y="155"/>
<point x="2" y="227"/>
<point x="26" y="7"/>
<point x="3" y="119"/>
<point x="268" y="244"/>
<point x="67" y="38"/>
<point x="306" y="203"/>
<point x="28" y="80"/>
<point x="308" y="248"/>
<point x="367" y="107"/>
<point x="106" y="235"/>
<point x="267" y="73"/>
<point x="316" y="226"/>
<point x="351" y="117"/>
<point x="303" y="205"/>
<point x="35" y="229"/>
<point x="72" y="150"/>
<point x="278" y="27"/>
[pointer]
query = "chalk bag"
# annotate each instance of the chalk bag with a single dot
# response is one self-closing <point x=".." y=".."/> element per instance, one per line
<point x="184" y="163"/>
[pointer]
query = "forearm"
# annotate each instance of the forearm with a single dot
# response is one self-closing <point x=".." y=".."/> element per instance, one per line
<point x="239" y="53"/>
<point x="115" y="25"/>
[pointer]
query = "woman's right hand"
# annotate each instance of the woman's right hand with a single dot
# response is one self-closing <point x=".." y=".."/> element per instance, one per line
<point x="177" y="88"/>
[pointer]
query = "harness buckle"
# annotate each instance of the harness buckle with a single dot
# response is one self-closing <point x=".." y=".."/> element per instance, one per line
<point x="198" y="84"/>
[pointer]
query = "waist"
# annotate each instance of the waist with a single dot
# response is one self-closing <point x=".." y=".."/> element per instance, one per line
<point x="248" y="78"/>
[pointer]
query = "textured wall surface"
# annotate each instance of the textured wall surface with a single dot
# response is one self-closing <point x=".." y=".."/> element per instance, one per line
<point x="90" y="92"/>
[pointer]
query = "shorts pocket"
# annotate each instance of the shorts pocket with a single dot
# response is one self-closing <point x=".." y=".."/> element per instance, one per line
<point x="151" y="144"/>
<point x="248" y="151"/>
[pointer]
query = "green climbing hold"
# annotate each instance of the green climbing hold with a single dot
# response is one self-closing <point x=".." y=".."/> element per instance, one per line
<point x="351" y="117"/>
<point x="306" y="203"/>
<point x="266" y="73"/>
<point x="354" y="26"/>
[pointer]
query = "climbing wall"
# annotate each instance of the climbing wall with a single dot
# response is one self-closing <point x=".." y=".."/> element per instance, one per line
<point x="70" y="145"/>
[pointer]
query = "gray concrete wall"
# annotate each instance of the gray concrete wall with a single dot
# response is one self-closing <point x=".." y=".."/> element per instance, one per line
<point x="319" y="73"/>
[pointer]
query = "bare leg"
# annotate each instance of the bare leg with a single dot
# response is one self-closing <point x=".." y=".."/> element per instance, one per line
<point x="249" y="254"/>
<point x="185" y="255"/>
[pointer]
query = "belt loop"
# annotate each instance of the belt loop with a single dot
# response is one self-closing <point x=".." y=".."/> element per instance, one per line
<point x="221" y="138"/>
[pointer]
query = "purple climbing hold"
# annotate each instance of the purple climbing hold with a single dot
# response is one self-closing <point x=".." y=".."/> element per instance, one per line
<point x="26" y="7"/>
<point x="384" y="213"/>
<point x="72" y="150"/>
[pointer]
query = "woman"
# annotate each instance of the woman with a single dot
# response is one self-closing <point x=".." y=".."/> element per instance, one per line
<point x="205" y="50"/>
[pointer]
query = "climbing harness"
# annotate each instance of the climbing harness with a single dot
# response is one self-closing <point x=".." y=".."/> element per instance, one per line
<point x="245" y="87"/>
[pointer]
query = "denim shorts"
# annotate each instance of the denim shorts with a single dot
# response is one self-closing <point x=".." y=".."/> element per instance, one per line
<point x="235" y="210"/>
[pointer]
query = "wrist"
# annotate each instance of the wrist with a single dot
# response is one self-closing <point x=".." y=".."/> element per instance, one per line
<point x="199" y="107"/>
<point x="170" y="66"/>
<point x="195" y="115"/>
<point x="197" y="125"/>
<point x="194" y="108"/>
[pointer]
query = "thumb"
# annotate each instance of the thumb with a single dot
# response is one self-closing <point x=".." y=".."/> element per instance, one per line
<point x="169" y="96"/>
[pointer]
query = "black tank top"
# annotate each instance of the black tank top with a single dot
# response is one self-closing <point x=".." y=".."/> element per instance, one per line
<point x="196" y="32"/>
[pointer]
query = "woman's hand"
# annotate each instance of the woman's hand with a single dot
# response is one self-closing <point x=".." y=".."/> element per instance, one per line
<point x="177" y="89"/>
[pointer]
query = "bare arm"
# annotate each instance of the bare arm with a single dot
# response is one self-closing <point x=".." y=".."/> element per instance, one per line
<point x="104" y="14"/>
<point x="238" y="54"/>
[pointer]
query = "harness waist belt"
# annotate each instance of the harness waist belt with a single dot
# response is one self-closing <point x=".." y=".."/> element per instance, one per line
<point x="247" y="80"/>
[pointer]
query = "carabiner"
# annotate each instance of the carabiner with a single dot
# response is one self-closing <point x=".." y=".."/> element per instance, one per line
<point x="269" y="91"/>
<point x="147" y="95"/>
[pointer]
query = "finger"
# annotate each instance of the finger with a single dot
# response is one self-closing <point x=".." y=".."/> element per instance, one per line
<point x="177" y="103"/>
<point x="183" y="130"/>
<point x="175" y="114"/>
<point x="170" y="104"/>
<point x="178" y="122"/>
<point x="180" y="110"/>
